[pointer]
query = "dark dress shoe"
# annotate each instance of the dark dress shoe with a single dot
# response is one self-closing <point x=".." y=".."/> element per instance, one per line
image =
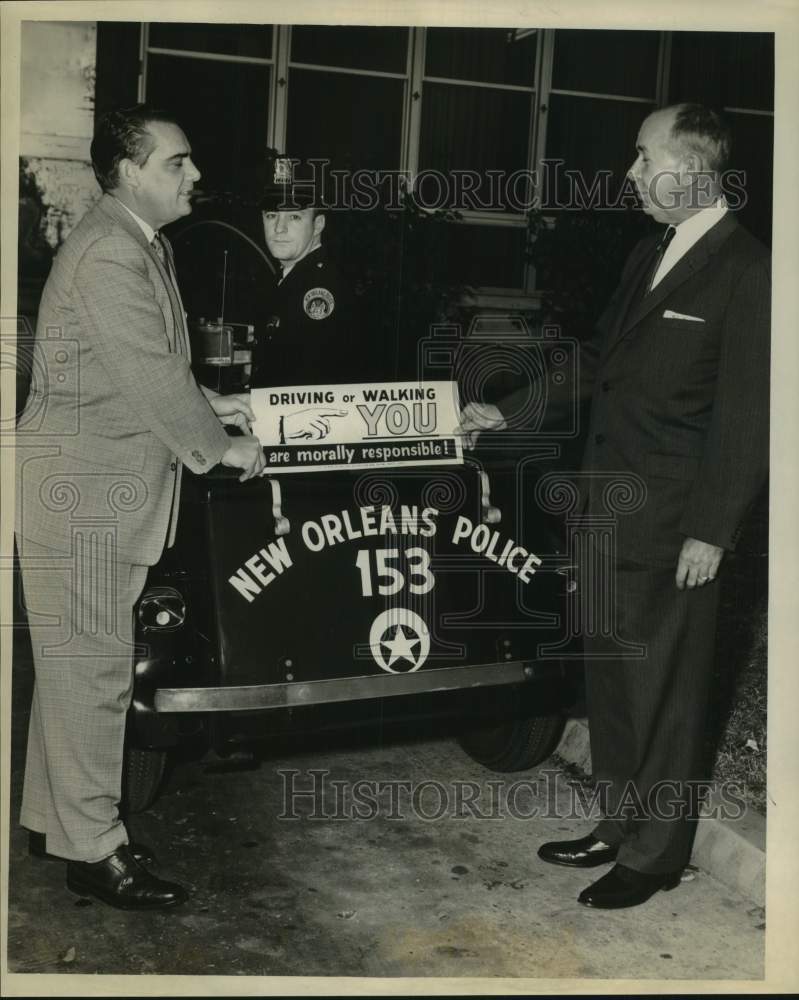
<point x="587" y="852"/>
<point x="37" y="848"/>
<point x="121" y="881"/>
<point x="623" y="887"/>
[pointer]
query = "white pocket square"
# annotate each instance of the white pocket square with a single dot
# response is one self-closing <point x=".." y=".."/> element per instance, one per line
<point x="668" y="314"/>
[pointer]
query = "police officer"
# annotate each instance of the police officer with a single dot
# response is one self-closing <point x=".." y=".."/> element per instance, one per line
<point x="308" y="332"/>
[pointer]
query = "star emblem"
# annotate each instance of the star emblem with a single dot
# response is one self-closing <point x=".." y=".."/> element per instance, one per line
<point x="401" y="646"/>
<point x="399" y="634"/>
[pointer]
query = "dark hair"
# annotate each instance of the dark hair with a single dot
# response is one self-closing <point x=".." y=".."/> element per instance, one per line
<point x="122" y="134"/>
<point x="700" y="130"/>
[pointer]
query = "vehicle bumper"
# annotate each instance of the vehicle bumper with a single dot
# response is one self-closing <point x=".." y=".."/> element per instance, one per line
<point x="273" y="696"/>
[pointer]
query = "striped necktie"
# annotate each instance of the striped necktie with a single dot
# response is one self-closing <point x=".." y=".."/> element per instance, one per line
<point x="159" y="244"/>
<point x="164" y="251"/>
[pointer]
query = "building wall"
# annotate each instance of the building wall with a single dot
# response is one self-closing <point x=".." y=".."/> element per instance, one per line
<point x="56" y="125"/>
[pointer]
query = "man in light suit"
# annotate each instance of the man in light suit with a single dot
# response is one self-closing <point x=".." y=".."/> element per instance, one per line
<point x="678" y="375"/>
<point x="113" y="415"/>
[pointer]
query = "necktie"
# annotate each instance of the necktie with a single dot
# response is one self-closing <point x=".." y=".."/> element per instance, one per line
<point x="158" y="246"/>
<point x="660" y="250"/>
<point x="162" y="250"/>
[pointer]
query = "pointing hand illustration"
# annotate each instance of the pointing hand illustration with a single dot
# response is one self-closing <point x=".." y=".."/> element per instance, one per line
<point x="313" y="423"/>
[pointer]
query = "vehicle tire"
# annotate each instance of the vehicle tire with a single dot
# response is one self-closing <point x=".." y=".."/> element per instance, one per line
<point x="141" y="775"/>
<point x="514" y="744"/>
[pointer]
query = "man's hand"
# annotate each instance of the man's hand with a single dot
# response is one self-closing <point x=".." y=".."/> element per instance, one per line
<point x="246" y="453"/>
<point x="311" y="423"/>
<point x="478" y="417"/>
<point x="234" y="410"/>
<point x="698" y="563"/>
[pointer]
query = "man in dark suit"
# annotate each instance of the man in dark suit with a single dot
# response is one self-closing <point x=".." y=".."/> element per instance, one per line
<point x="678" y="375"/>
<point x="113" y="415"/>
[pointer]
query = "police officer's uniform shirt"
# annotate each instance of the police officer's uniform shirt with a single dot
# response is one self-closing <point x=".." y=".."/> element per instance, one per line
<point x="308" y="333"/>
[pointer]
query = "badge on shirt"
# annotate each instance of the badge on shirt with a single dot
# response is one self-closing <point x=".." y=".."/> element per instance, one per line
<point x="318" y="303"/>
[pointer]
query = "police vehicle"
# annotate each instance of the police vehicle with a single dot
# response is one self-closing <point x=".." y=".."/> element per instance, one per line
<point x="302" y="601"/>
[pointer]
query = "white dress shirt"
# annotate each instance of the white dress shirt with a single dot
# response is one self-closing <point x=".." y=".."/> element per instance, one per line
<point x="145" y="227"/>
<point x="686" y="234"/>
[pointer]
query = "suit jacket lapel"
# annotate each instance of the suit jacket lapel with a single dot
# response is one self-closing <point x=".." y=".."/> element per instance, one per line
<point x="627" y="305"/>
<point x="111" y="206"/>
<point x="688" y="265"/>
<point x="175" y="299"/>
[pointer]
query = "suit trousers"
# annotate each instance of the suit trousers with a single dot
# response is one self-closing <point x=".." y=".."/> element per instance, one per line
<point x="80" y="616"/>
<point x="647" y="713"/>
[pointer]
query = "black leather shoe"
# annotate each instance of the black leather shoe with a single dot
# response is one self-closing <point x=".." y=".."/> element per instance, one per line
<point x="623" y="887"/>
<point x="37" y="848"/>
<point x="121" y="881"/>
<point x="587" y="852"/>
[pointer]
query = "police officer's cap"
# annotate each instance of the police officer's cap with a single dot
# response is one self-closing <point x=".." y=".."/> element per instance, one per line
<point x="290" y="184"/>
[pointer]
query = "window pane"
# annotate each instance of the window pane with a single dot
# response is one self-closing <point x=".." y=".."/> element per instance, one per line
<point x="488" y="55"/>
<point x="733" y="70"/>
<point x="223" y="39"/>
<point x="471" y="128"/>
<point x="592" y="135"/>
<point x="607" y="62"/>
<point x="491" y="256"/>
<point x="223" y="109"/>
<point x="382" y="49"/>
<point x="354" y="122"/>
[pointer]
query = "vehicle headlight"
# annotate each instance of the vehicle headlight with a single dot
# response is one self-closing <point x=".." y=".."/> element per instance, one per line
<point x="162" y="608"/>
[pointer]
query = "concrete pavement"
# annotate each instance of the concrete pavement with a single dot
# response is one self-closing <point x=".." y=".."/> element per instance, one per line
<point x="431" y="874"/>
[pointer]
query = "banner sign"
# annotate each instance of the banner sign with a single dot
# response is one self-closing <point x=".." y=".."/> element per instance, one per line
<point x="360" y="426"/>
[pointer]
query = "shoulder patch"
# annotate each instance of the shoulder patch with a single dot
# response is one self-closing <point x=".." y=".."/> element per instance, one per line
<point x="318" y="303"/>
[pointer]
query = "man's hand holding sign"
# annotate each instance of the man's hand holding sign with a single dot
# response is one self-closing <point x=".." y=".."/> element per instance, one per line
<point x="234" y="410"/>
<point x="476" y="418"/>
